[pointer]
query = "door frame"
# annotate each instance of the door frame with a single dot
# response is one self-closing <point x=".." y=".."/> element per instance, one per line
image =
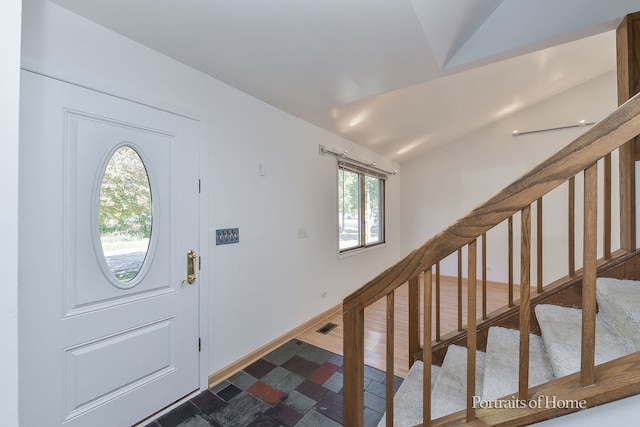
<point x="203" y="214"/>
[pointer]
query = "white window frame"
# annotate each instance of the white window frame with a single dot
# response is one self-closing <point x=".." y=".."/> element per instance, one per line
<point x="362" y="173"/>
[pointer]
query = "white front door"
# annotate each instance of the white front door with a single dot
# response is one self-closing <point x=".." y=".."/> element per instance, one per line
<point x="108" y="319"/>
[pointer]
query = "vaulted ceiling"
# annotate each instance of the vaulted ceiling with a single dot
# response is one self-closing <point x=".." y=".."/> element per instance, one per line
<point x="395" y="76"/>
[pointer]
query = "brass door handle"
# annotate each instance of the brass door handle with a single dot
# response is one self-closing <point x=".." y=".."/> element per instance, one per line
<point x="191" y="267"/>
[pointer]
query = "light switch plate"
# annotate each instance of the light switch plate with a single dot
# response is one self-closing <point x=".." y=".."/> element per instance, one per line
<point x="226" y="236"/>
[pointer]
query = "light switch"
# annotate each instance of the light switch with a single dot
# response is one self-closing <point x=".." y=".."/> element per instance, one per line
<point x="225" y="236"/>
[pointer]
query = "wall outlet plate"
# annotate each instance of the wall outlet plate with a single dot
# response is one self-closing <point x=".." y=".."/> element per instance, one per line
<point x="226" y="236"/>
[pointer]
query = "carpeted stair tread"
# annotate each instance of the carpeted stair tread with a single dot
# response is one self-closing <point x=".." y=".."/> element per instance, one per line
<point x="435" y="372"/>
<point x="450" y="389"/>
<point x="408" y="399"/>
<point x="501" y="367"/>
<point x="619" y="304"/>
<point x="561" y="331"/>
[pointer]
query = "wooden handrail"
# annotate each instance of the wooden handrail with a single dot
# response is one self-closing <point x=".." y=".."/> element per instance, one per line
<point x="598" y="141"/>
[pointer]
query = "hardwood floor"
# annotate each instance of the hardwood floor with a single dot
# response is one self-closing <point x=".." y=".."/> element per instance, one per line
<point x="375" y="322"/>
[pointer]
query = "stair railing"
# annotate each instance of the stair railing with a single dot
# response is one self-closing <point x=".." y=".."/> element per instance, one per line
<point x="418" y="267"/>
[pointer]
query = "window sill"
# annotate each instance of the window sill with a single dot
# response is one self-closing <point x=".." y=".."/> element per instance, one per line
<point x="357" y="251"/>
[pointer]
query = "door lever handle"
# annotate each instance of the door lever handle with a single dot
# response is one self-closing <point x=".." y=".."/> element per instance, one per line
<point x="191" y="267"/>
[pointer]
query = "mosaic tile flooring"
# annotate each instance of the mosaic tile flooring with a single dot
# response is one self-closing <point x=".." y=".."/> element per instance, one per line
<point x="296" y="385"/>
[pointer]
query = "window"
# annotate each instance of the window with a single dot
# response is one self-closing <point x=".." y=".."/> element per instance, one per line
<point x="125" y="214"/>
<point x="360" y="207"/>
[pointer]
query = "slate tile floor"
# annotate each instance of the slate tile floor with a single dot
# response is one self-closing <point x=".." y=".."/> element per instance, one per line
<point x="296" y="385"/>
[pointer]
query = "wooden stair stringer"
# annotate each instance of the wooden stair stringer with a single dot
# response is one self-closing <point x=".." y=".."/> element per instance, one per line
<point x="615" y="380"/>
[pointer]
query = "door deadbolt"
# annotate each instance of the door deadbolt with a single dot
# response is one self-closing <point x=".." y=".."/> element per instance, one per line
<point x="191" y="267"/>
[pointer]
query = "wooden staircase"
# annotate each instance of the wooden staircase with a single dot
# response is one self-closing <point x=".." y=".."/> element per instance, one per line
<point x="522" y="200"/>
<point x="551" y="356"/>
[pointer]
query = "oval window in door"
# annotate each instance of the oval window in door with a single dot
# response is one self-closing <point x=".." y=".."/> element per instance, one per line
<point x="124" y="215"/>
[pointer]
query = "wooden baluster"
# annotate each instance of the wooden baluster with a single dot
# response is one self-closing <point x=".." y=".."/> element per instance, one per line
<point x="539" y="245"/>
<point x="510" y="226"/>
<point x="572" y="226"/>
<point x="426" y="280"/>
<point x="471" y="331"/>
<point x="484" y="276"/>
<point x="627" y="196"/>
<point x="606" y="238"/>
<point x="525" y="304"/>
<point x="587" y="375"/>
<point x="414" y="318"/>
<point x="353" y="370"/>
<point x="438" y="301"/>
<point x="390" y="357"/>
<point x="459" y="289"/>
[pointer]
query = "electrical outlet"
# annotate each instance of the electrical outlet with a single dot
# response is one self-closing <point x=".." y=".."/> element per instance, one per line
<point x="302" y="233"/>
<point x="225" y="236"/>
<point x="323" y="295"/>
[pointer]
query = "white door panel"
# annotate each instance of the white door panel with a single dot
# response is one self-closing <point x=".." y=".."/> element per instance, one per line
<point x="86" y="386"/>
<point x="91" y="285"/>
<point x="105" y="352"/>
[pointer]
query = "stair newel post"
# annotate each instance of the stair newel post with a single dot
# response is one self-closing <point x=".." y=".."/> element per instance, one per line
<point x="587" y="374"/>
<point x="414" y="318"/>
<point x="390" y="356"/>
<point x="525" y="304"/>
<point x="471" y="330"/>
<point x="628" y="49"/>
<point x="426" y="284"/>
<point x="353" y="370"/>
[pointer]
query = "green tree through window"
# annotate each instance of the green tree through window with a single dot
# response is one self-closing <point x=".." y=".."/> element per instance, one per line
<point x="360" y="209"/>
<point x="125" y="199"/>
<point x="125" y="214"/>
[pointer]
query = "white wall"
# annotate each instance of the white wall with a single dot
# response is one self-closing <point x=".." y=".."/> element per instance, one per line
<point x="271" y="281"/>
<point x="447" y="183"/>
<point x="618" y="413"/>
<point x="10" y="24"/>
